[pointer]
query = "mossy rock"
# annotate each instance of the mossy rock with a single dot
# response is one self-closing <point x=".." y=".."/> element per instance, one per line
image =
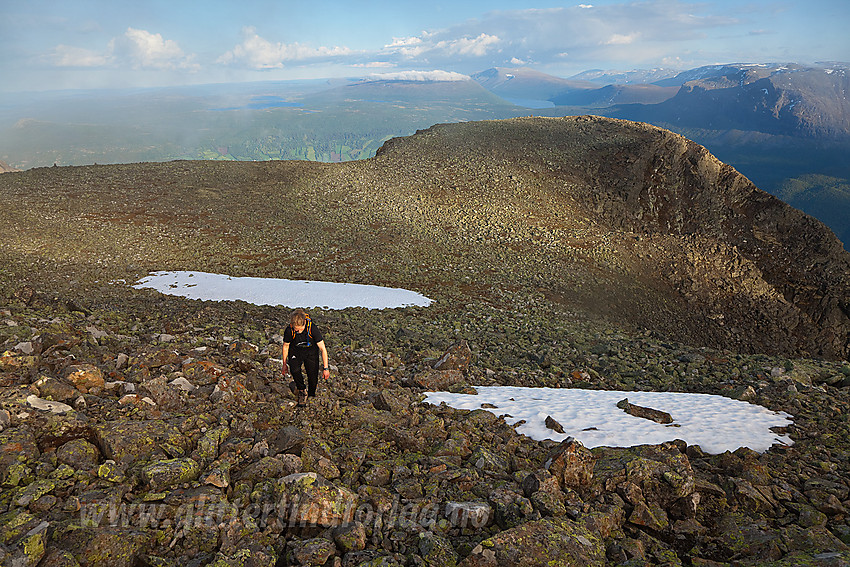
<point x="170" y="472"/>
<point x="552" y="542"/>
<point x="436" y="550"/>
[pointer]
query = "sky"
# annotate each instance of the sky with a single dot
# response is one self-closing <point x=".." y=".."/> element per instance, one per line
<point x="59" y="44"/>
<point x="715" y="423"/>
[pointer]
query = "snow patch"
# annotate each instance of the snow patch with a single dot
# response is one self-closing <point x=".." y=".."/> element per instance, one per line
<point x="715" y="423"/>
<point x="271" y="291"/>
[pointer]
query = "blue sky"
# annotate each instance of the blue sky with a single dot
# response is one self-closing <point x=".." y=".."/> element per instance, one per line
<point x="53" y="44"/>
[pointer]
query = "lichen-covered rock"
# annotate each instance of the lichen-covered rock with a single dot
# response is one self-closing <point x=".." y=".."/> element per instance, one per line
<point x="553" y="542"/>
<point x="658" y="474"/>
<point x="56" y="389"/>
<point x="105" y="546"/>
<point x="469" y="514"/>
<point x="29" y="550"/>
<point x="457" y="357"/>
<point x="16" y="443"/>
<point x="165" y="395"/>
<point x="111" y="471"/>
<point x="15" y="524"/>
<point x="79" y="454"/>
<point x="486" y="460"/>
<point x="270" y="468"/>
<point x="437" y="380"/>
<point x="59" y="558"/>
<point x="127" y="441"/>
<point x="203" y="372"/>
<point x="436" y="550"/>
<point x="377" y="475"/>
<point x="34" y="491"/>
<point x="289" y="439"/>
<point x="169" y="472"/>
<point x="232" y="390"/>
<point x="571" y="463"/>
<point x="217" y="475"/>
<point x="510" y="508"/>
<point x="208" y="445"/>
<point x="310" y="552"/>
<point x="85" y="377"/>
<point x="13" y="362"/>
<point x="308" y="499"/>
<point x="350" y="537"/>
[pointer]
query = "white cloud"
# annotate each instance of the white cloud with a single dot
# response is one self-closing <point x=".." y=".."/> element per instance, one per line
<point x="589" y="33"/>
<point x="374" y="65"/>
<point x="151" y="50"/>
<point x="436" y="75"/>
<point x="258" y="53"/>
<point x="409" y="46"/>
<point x="430" y="45"/>
<point x="136" y="48"/>
<point x="622" y="39"/>
<point x="69" y="56"/>
<point x="477" y="46"/>
<point x="405" y="42"/>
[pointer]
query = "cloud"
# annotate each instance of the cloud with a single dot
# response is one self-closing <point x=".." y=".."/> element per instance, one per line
<point x="374" y="64"/>
<point x="583" y="34"/>
<point x="137" y="48"/>
<point x="436" y="75"/>
<point x="256" y="52"/>
<point x="69" y="56"/>
<point x="443" y="45"/>
<point x="150" y="50"/>
<point x="476" y="47"/>
<point x="621" y="39"/>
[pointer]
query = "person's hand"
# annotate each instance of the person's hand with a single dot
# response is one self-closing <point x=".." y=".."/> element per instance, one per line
<point x="326" y="373"/>
<point x="285" y="368"/>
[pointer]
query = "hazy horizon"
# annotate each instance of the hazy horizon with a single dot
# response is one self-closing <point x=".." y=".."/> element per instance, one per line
<point x="94" y="44"/>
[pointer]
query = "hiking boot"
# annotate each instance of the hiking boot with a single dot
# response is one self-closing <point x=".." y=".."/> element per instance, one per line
<point x="302" y="398"/>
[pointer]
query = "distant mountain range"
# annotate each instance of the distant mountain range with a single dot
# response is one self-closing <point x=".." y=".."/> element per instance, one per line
<point x="784" y="126"/>
<point x="527" y="84"/>
<point x="787" y="99"/>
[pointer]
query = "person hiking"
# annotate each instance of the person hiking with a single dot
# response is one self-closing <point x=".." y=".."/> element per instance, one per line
<point x="302" y="344"/>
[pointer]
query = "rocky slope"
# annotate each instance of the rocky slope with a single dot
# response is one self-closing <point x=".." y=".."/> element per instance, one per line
<point x="657" y="209"/>
<point x="616" y="219"/>
<point x="604" y="254"/>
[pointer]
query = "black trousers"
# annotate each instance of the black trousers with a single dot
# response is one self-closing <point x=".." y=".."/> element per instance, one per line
<point x="310" y="359"/>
